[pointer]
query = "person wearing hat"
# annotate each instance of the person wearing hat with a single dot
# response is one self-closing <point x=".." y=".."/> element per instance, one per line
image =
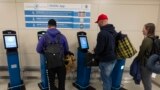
<point x="105" y="50"/>
<point x="52" y="33"/>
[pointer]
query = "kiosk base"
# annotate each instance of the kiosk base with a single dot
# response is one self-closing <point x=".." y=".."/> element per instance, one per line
<point x="18" y="87"/>
<point x="82" y="88"/>
<point x="42" y="87"/>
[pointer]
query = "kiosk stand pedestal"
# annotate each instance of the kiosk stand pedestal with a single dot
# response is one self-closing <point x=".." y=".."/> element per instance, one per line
<point x="43" y="85"/>
<point x="83" y="72"/>
<point x="10" y="43"/>
<point x="117" y="74"/>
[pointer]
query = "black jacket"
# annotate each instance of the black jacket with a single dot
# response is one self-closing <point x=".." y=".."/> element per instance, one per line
<point x="105" y="48"/>
<point x="135" y="71"/>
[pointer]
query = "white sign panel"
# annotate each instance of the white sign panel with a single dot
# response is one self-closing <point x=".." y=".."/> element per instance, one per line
<point x="68" y="16"/>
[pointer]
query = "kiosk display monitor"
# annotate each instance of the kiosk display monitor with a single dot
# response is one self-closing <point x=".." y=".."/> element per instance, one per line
<point x="10" y="41"/>
<point x="83" y="43"/>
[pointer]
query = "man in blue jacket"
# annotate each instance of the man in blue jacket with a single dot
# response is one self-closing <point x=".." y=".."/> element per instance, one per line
<point x="60" y="71"/>
<point x="105" y="50"/>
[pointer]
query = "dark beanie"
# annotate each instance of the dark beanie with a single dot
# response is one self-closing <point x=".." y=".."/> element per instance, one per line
<point x="52" y="22"/>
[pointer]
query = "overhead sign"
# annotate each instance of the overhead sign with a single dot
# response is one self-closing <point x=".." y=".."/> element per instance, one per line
<point x="68" y="16"/>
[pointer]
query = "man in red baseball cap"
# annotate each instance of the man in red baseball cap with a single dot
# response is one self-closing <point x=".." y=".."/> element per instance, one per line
<point x="104" y="50"/>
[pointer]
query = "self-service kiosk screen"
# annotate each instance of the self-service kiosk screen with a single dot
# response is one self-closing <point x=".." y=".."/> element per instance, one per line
<point x="83" y="42"/>
<point x="10" y="41"/>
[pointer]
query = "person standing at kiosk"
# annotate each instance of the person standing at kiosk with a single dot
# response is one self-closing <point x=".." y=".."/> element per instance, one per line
<point x="104" y="50"/>
<point x="54" y="37"/>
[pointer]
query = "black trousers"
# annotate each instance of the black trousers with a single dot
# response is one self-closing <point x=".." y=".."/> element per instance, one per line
<point x="61" y="74"/>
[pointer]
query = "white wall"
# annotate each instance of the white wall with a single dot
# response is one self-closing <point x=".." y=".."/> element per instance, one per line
<point x="128" y="16"/>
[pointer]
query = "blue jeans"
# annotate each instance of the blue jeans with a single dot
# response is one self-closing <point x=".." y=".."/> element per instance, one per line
<point x="106" y="69"/>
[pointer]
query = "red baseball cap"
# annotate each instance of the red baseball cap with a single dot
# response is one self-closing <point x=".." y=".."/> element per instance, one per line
<point x="102" y="17"/>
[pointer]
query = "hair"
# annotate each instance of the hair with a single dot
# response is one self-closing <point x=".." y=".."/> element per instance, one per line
<point x="52" y="22"/>
<point x="150" y="27"/>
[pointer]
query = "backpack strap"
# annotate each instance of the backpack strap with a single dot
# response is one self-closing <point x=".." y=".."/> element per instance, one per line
<point x="153" y="44"/>
<point x="58" y="39"/>
<point x="47" y="39"/>
<point x="152" y="38"/>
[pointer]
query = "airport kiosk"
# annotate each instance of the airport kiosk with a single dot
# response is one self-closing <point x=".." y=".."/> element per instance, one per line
<point x="83" y="72"/>
<point x="43" y="85"/>
<point x="11" y="46"/>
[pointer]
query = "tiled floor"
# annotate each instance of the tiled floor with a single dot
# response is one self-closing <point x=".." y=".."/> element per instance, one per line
<point x="127" y="83"/>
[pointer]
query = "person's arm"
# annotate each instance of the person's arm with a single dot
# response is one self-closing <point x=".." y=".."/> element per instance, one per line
<point x="40" y="45"/>
<point x="100" y="44"/>
<point x="146" y="45"/>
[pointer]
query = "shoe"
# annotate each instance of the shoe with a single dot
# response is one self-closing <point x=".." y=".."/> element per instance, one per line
<point x="122" y="88"/>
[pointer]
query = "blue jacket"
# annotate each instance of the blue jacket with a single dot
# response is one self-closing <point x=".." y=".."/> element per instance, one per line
<point x="105" y="48"/>
<point x="135" y="71"/>
<point x="153" y="63"/>
<point x="51" y="33"/>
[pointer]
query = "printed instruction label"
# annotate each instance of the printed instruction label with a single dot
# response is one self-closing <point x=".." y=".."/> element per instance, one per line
<point x="14" y="66"/>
